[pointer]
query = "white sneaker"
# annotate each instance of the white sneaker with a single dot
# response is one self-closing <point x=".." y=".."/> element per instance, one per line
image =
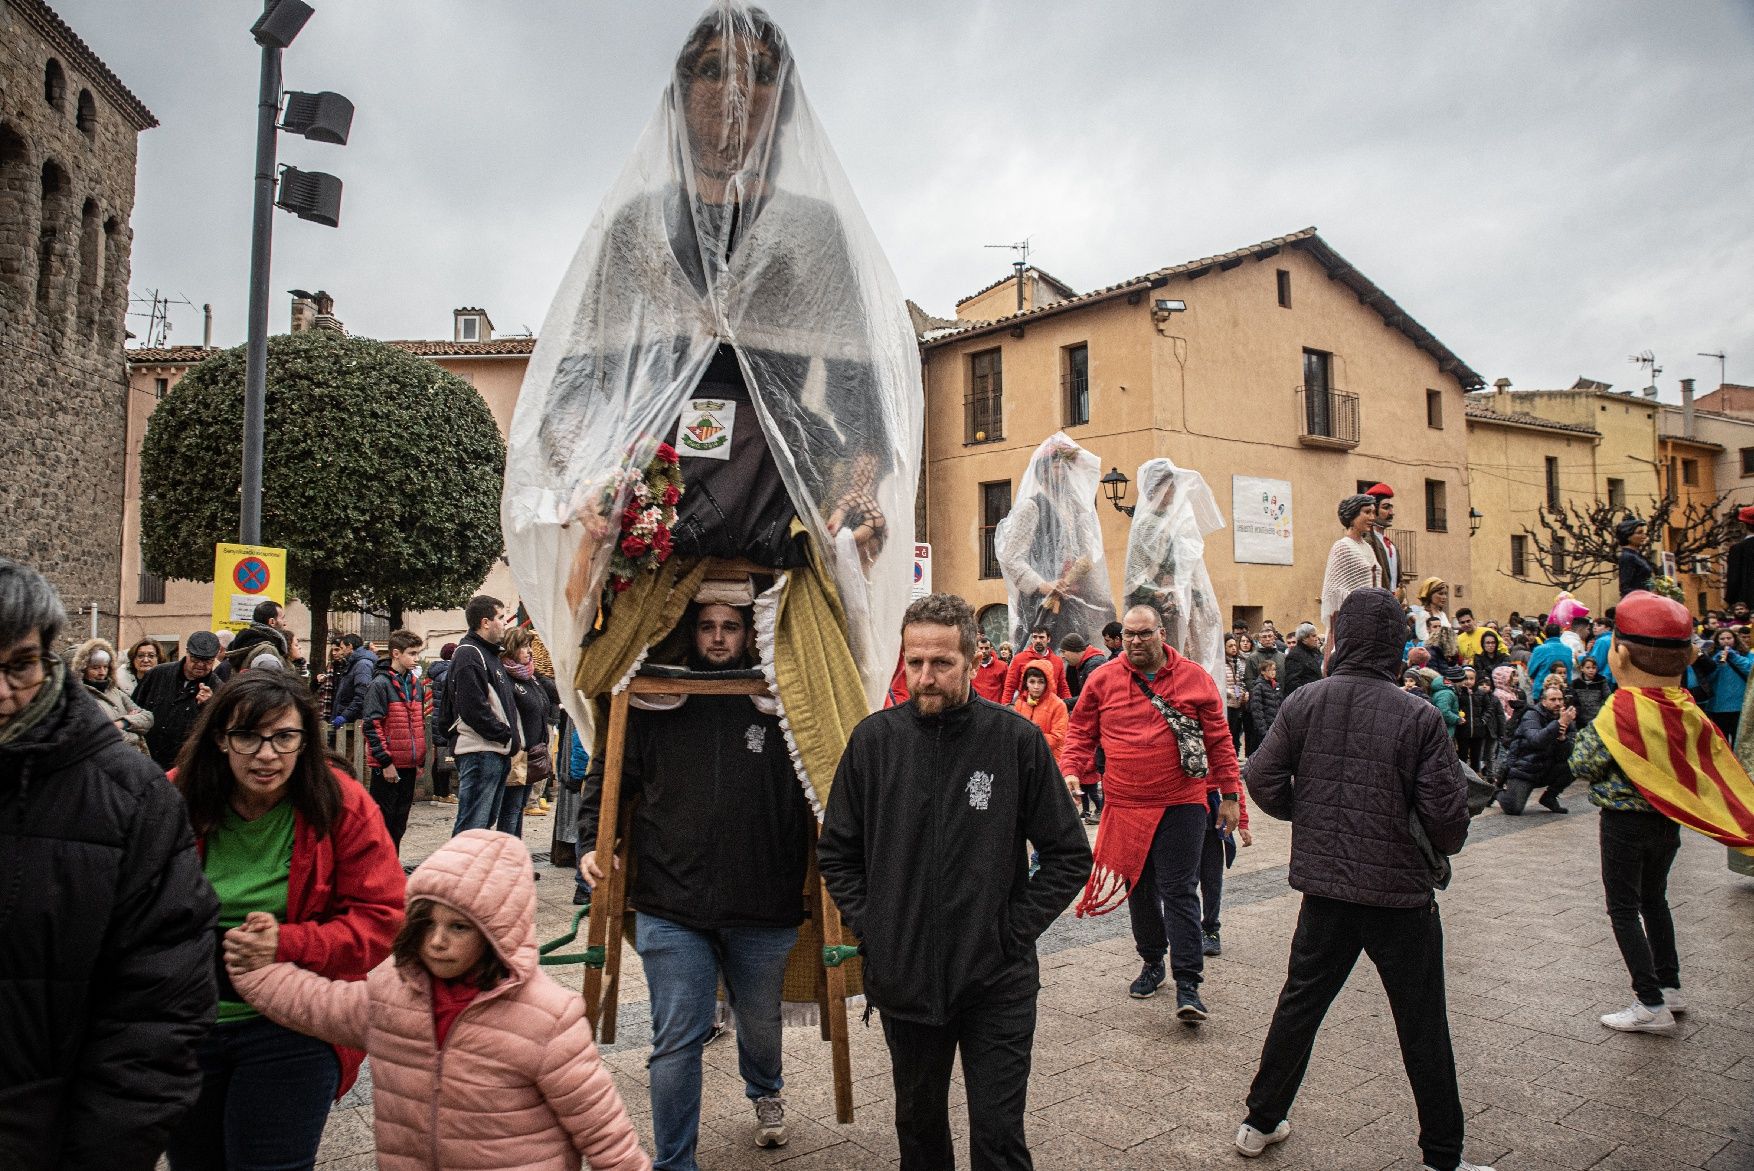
<point x="1676" y="1002"/>
<point x="1251" y="1142"/>
<point x="770" y="1122"/>
<point x="1641" y="1018"/>
<point x="1464" y="1165"/>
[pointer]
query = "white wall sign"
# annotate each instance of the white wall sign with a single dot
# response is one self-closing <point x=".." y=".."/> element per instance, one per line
<point x="1260" y="516"/>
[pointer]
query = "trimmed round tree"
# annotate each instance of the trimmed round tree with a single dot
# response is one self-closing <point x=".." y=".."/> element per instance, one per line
<point x="381" y="475"/>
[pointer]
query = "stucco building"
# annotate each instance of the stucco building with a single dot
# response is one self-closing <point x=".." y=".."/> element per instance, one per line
<point x="68" y="131"/>
<point x="1276" y="370"/>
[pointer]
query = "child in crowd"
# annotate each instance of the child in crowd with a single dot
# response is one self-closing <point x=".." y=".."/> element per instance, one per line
<point x="1653" y="762"/>
<point x="1589" y="690"/>
<point x="479" y="1058"/>
<point x="1264" y="699"/>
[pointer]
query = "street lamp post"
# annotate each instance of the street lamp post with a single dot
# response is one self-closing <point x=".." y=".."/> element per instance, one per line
<point x="324" y="117"/>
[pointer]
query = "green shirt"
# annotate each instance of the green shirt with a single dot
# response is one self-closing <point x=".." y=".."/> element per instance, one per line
<point x="248" y="863"/>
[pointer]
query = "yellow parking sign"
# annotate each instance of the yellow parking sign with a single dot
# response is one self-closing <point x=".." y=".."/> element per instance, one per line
<point x="244" y="576"/>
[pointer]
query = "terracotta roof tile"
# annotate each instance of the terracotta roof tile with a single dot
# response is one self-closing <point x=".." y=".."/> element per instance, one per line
<point x="509" y="347"/>
<point x="1523" y="419"/>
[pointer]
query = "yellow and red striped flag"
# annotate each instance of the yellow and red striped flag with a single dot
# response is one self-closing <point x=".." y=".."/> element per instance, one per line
<point x="1680" y="762"/>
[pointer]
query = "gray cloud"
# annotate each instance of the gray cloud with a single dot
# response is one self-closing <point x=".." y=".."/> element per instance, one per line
<point x="1548" y="187"/>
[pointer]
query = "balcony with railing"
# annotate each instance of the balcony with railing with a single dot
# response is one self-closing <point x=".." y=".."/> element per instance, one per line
<point x="1327" y="418"/>
<point x="1407" y="553"/>
<point x="1075" y="393"/>
<point x="983" y="417"/>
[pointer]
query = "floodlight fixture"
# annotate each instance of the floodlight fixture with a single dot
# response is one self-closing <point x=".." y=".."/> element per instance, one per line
<point x="320" y="117"/>
<point x="310" y="195"/>
<point x="280" y="23"/>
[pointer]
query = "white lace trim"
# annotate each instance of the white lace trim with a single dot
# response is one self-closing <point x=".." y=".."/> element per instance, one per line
<point x="767" y="616"/>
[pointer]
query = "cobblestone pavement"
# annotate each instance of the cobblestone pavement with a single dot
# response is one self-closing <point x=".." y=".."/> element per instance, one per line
<point x="1117" y="1084"/>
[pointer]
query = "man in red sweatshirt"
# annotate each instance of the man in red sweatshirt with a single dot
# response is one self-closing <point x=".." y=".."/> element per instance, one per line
<point x="1037" y="652"/>
<point x="1160" y="723"/>
<point x="989" y="671"/>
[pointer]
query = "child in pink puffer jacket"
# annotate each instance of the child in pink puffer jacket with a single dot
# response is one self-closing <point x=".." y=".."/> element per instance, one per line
<point x="479" y="1058"/>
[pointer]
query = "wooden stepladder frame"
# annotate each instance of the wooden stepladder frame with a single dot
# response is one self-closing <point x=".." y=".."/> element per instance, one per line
<point x="609" y="903"/>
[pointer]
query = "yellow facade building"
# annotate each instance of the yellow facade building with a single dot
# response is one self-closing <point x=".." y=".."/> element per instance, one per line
<point x="1279" y="363"/>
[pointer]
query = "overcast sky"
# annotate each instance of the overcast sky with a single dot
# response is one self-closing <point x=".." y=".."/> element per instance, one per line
<point x="1549" y="187"/>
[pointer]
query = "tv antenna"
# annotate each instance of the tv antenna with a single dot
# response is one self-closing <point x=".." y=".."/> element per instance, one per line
<point x="1022" y="262"/>
<point x="1721" y="359"/>
<point x="1649" y="360"/>
<point x="158" y="321"/>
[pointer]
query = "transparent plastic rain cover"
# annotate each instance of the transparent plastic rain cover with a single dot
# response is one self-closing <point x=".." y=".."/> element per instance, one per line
<point x="1050" y="547"/>
<point x="732" y="224"/>
<point x="1166" y="560"/>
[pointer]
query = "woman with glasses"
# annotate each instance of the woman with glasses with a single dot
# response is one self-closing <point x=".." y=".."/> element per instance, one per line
<point x="285" y="832"/>
<point x="142" y="657"/>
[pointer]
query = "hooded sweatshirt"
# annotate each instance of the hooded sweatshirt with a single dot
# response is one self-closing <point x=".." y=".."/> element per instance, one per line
<point x="517" y="1081"/>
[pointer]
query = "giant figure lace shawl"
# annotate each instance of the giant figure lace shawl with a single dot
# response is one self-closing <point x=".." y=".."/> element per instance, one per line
<point x="1166" y="561"/>
<point x="1050" y="547"/>
<point x="731" y="224"/>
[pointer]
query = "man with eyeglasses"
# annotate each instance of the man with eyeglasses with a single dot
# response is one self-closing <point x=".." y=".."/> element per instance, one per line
<point x="174" y="693"/>
<point x="106" y="972"/>
<point x="1160" y="722"/>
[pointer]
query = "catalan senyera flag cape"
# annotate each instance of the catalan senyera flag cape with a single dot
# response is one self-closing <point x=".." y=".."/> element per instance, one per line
<point x="1680" y="762"/>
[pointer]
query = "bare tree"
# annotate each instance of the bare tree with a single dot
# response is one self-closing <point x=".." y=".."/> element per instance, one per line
<point x="1575" y="543"/>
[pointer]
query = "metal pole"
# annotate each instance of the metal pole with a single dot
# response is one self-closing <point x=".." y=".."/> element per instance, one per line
<point x="261" y="245"/>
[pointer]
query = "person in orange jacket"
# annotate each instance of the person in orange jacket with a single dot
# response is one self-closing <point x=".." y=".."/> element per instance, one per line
<point x="1045" y="711"/>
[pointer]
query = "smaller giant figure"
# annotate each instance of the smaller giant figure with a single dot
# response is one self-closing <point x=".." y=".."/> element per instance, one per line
<point x="1166" y="561"/>
<point x="1050" y="547"/>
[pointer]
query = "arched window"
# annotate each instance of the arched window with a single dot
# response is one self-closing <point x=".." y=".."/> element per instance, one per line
<point x="54" y="84"/>
<point x="16" y="182"/>
<point x="53" y="210"/>
<point x="90" y="265"/>
<point x="86" y="117"/>
<point x="995" y="622"/>
<point x="112" y="309"/>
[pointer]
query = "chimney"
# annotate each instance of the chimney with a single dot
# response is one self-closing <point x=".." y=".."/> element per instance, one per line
<point x="326" y="318"/>
<point x="471" y="324"/>
<point x="207" y="327"/>
<point x="304" y="312"/>
<point x="1687" y="408"/>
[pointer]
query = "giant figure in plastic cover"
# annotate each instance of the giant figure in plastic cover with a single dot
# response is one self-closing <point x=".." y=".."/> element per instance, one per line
<point x="1050" y="547"/>
<point x="1166" y="560"/>
<point x="729" y="301"/>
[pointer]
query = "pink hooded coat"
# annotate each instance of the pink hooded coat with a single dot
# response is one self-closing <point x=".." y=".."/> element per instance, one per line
<point x="518" y="1083"/>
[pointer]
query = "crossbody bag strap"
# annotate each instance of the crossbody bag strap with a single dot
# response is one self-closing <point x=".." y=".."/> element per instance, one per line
<point x="1189" y="738"/>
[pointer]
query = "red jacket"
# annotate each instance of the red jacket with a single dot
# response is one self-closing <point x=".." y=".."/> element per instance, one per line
<point x="1050" y="662"/>
<point x="344" y="899"/>
<point x="989" y="681"/>
<point x="1136" y="740"/>
<point x="396" y="707"/>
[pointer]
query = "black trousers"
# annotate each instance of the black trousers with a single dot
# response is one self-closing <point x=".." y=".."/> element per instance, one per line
<point x="1407" y="948"/>
<point x="395" y="799"/>
<point x="1637" y="851"/>
<point x="995" y="1037"/>
<point x="1164" y="906"/>
<point x="1727" y="723"/>
<point x="1516" y="793"/>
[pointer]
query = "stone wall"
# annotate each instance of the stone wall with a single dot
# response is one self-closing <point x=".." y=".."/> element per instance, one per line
<point x="68" y="131"/>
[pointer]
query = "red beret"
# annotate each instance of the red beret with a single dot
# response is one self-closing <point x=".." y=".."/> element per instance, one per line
<point x="1646" y="618"/>
<point x="1746" y="515"/>
<point x="1380" y="491"/>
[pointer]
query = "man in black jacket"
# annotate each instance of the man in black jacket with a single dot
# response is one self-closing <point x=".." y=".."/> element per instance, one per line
<point x="106" y="972"/>
<point x="1349" y="759"/>
<point x="1303" y="662"/>
<point x="923" y="849"/>
<point x="720" y="842"/>
<point x="481" y="717"/>
<point x="175" y="692"/>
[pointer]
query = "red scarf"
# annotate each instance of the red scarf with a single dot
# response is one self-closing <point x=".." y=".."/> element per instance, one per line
<point x="449" y="999"/>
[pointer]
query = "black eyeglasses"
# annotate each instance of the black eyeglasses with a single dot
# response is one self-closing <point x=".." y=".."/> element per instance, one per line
<point x="29" y="671"/>
<point x="246" y="743"/>
<point x="1139" y="635"/>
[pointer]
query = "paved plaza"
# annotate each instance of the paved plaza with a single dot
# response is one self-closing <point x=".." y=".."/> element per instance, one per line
<point x="1118" y="1084"/>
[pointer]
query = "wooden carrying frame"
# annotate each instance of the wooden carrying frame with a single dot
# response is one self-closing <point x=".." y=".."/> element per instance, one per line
<point x="609" y="902"/>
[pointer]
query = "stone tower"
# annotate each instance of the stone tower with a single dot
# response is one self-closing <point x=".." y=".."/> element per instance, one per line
<point x="68" y="131"/>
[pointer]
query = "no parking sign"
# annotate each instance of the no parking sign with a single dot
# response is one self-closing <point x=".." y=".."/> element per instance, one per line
<point x="244" y="576"/>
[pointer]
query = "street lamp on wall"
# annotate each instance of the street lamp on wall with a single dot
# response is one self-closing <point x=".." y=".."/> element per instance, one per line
<point x="1475" y="516"/>
<point x="1114" y="486"/>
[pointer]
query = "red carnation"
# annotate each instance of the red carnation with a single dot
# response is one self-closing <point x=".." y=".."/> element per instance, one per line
<point x="661" y="541"/>
<point x="634" y="546"/>
<point x="666" y="453"/>
<point x="620" y="584"/>
<point x="671" y="495"/>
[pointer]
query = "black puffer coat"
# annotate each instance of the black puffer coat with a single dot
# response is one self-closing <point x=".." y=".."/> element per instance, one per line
<point x="106" y="964"/>
<point x="1302" y="665"/>
<point x="1341" y="758"/>
<point x="1539" y="755"/>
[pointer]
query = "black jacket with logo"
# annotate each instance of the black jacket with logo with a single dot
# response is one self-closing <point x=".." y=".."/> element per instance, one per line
<point x="721" y="835"/>
<point x="924" y="850"/>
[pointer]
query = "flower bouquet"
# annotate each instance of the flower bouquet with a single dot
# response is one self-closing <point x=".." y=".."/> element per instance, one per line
<point x="651" y="493"/>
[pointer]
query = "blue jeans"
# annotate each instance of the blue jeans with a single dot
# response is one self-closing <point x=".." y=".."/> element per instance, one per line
<point x="480" y="788"/>
<point x="265" y="1095"/>
<point x="683" y="967"/>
